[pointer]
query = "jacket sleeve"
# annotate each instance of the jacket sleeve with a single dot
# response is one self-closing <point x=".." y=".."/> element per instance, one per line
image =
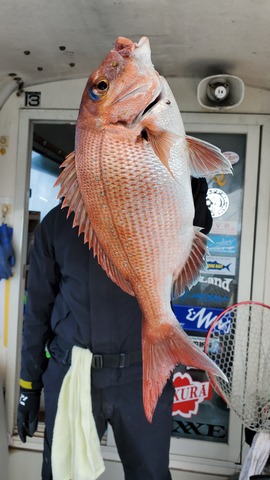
<point x="42" y="289"/>
<point x="202" y="217"/>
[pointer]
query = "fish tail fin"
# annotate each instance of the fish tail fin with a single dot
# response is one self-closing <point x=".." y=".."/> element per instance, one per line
<point x="163" y="348"/>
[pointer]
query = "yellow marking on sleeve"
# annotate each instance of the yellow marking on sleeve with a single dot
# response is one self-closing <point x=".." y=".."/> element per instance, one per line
<point x="6" y="310"/>
<point x="25" y="384"/>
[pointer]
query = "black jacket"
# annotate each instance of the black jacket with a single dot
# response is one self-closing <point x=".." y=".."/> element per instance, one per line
<point x="203" y="217"/>
<point x="70" y="296"/>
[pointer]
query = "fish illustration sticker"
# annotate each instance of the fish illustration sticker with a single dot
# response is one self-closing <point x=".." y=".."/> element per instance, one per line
<point x="217" y="201"/>
<point x="220" y="265"/>
<point x="224" y="244"/>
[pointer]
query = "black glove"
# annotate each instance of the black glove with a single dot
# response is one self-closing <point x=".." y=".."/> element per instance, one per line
<point x="27" y="413"/>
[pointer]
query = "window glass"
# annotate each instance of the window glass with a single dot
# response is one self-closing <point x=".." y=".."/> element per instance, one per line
<point x="198" y="411"/>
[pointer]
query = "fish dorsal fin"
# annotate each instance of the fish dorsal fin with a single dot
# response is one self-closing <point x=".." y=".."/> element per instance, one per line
<point x="161" y="141"/>
<point x="70" y="190"/>
<point x="206" y="159"/>
<point x="188" y="276"/>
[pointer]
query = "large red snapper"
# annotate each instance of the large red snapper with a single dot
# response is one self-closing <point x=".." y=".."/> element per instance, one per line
<point x="128" y="183"/>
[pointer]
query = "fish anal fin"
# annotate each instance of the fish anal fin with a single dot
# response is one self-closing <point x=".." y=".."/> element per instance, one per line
<point x="188" y="276"/>
<point x="163" y="348"/>
<point x="206" y="159"/>
<point x="161" y="142"/>
<point x="112" y="271"/>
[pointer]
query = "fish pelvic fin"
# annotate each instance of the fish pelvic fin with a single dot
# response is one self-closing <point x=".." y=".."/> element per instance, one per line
<point x="161" y="142"/>
<point x="188" y="276"/>
<point x="206" y="159"/>
<point x="70" y="190"/>
<point x="163" y="348"/>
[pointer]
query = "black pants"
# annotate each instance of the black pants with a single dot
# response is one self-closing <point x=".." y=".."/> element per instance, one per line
<point x="143" y="447"/>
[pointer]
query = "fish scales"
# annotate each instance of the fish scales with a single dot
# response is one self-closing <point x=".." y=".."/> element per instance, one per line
<point x="128" y="183"/>
<point x="145" y="218"/>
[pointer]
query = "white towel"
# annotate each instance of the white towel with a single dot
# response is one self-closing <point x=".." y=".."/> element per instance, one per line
<point x="76" y="451"/>
<point x="257" y="456"/>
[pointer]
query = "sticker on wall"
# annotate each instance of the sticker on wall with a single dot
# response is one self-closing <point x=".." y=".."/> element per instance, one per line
<point x="217" y="201"/>
<point x="195" y="319"/>
<point x="189" y="394"/>
<point x="32" y="99"/>
<point x="211" y="422"/>
<point x="224" y="228"/>
<point x="220" y="265"/>
<point x="220" y="179"/>
<point x="219" y="282"/>
<point x="222" y="244"/>
<point x="232" y="156"/>
<point x="205" y="298"/>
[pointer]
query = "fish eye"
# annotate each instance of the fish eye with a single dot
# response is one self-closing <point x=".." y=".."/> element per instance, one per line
<point x="99" y="88"/>
<point x="102" y="85"/>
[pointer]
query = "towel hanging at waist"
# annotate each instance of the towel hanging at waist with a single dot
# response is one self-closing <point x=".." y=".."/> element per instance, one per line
<point x="76" y="453"/>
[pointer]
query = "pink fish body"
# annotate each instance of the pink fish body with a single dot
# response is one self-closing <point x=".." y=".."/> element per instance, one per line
<point x="129" y="186"/>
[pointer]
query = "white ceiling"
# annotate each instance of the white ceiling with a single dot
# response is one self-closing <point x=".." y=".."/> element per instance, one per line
<point x="188" y="38"/>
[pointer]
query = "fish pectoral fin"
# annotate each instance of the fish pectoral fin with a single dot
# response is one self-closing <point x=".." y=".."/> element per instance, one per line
<point x="161" y="142"/>
<point x="163" y="347"/>
<point x="188" y="276"/>
<point x="206" y="159"/>
<point x="74" y="201"/>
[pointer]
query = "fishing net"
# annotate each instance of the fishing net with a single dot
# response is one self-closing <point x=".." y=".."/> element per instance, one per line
<point x="239" y="343"/>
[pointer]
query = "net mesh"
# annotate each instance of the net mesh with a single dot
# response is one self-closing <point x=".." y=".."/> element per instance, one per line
<point x="239" y="343"/>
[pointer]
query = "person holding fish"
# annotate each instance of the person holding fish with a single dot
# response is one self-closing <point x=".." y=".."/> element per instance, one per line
<point x="103" y="269"/>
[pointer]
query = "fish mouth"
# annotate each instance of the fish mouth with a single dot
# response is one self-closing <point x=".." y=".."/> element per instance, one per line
<point x="125" y="47"/>
<point x="142" y="41"/>
<point x="142" y="53"/>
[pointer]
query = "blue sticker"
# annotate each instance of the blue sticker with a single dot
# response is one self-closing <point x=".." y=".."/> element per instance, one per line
<point x="222" y="244"/>
<point x="197" y="319"/>
<point x="209" y="298"/>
